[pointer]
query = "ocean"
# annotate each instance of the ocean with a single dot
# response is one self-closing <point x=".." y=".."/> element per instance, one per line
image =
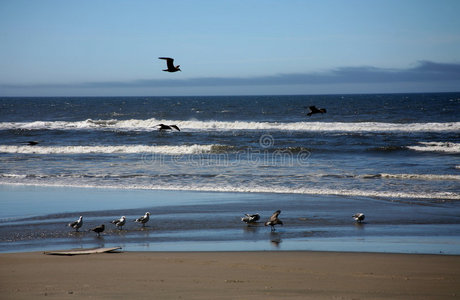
<point x="395" y="155"/>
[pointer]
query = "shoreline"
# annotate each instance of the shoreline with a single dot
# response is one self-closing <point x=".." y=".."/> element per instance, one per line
<point x="230" y="275"/>
<point x="36" y="219"/>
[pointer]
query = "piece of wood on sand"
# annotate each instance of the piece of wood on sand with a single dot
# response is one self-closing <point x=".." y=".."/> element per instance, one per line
<point x="82" y="251"/>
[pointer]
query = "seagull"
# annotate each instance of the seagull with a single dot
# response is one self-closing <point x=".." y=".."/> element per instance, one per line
<point x="250" y="218"/>
<point x="315" y="110"/>
<point x="170" y="65"/>
<point x="119" y="222"/>
<point x="162" y="127"/>
<point x="274" y="220"/>
<point x="144" y="219"/>
<point x="98" y="229"/>
<point x="359" y="217"/>
<point x="76" y="224"/>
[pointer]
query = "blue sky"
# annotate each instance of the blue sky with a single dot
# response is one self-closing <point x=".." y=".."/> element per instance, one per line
<point x="111" y="47"/>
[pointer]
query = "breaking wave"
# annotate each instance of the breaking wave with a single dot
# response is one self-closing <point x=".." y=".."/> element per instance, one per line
<point x="258" y="189"/>
<point x="195" y="125"/>
<point x="446" y="147"/>
<point x="172" y="150"/>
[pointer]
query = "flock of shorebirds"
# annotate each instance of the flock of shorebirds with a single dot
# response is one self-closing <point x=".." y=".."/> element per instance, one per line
<point x="248" y="219"/>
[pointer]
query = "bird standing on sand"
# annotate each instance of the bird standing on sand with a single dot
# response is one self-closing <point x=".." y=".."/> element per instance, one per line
<point x="144" y="219"/>
<point x="274" y="220"/>
<point x="359" y="217"/>
<point x="250" y="218"/>
<point x="98" y="229"/>
<point x="119" y="222"/>
<point x="170" y="64"/>
<point x="162" y="127"/>
<point x="315" y="110"/>
<point x="76" y="224"/>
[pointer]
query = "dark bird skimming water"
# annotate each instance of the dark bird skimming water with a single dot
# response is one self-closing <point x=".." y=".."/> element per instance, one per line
<point x="162" y="127"/>
<point x="170" y="65"/>
<point x="315" y="110"/>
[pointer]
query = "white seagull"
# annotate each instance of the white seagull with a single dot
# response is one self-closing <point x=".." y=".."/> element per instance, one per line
<point x="144" y="219"/>
<point x="250" y="218"/>
<point x="119" y="222"/>
<point x="359" y="217"/>
<point x="76" y="224"/>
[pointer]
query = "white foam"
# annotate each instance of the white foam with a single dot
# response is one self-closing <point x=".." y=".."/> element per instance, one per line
<point x="415" y="176"/>
<point x="255" y="189"/>
<point x="447" y="147"/>
<point x="171" y="150"/>
<point x="195" y="125"/>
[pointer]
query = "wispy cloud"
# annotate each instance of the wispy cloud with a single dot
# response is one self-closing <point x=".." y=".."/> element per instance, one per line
<point x="424" y="71"/>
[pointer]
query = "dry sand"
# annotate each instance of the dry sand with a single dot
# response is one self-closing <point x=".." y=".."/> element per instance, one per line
<point x="229" y="275"/>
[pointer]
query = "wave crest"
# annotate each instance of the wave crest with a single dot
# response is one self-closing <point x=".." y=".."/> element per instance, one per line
<point x="211" y="125"/>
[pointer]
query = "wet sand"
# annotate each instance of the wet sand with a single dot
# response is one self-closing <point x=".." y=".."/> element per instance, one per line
<point x="230" y="275"/>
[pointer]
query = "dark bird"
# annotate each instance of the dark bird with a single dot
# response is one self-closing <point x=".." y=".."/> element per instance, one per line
<point x="315" y="110"/>
<point x="359" y="217"/>
<point x="248" y="218"/>
<point x="119" y="222"/>
<point x="170" y="65"/>
<point x="30" y="143"/>
<point x="162" y="127"/>
<point x="144" y="219"/>
<point x="76" y="224"/>
<point x="274" y="220"/>
<point x="98" y="229"/>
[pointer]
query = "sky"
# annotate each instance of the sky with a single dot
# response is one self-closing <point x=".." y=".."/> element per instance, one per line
<point x="240" y="47"/>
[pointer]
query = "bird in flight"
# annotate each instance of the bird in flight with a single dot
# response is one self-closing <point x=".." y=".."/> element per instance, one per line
<point x="315" y="110"/>
<point x="162" y="127"/>
<point x="170" y="65"/>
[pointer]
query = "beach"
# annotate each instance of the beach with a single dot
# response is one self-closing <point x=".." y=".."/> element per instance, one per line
<point x="229" y="275"/>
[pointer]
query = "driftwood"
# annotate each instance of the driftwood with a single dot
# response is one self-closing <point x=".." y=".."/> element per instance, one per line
<point x="82" y="251"/>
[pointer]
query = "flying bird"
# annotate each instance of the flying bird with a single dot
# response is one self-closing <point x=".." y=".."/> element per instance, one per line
<point x="98" y="229"/>
<point x="250" y="218"/>
<point x="144" y="219"/>
<point x="274" y="220"/>
<point x="119" y="222"/>
<point x="170" y="64"/>
<point x="76" y="224"/>
<point x="359" y="217"/>
<point x="315" y="110"/>
<point x="162" y="127"/>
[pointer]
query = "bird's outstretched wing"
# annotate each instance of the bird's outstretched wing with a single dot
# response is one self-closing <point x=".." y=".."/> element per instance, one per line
<point x="313" y="109"/>
<point x="275" y="216"/>
<point x="169" y="62"/>
<point x="175" y="127"/>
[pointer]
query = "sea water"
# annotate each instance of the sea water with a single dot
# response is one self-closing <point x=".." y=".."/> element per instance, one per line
<point x="397" y="151"/>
